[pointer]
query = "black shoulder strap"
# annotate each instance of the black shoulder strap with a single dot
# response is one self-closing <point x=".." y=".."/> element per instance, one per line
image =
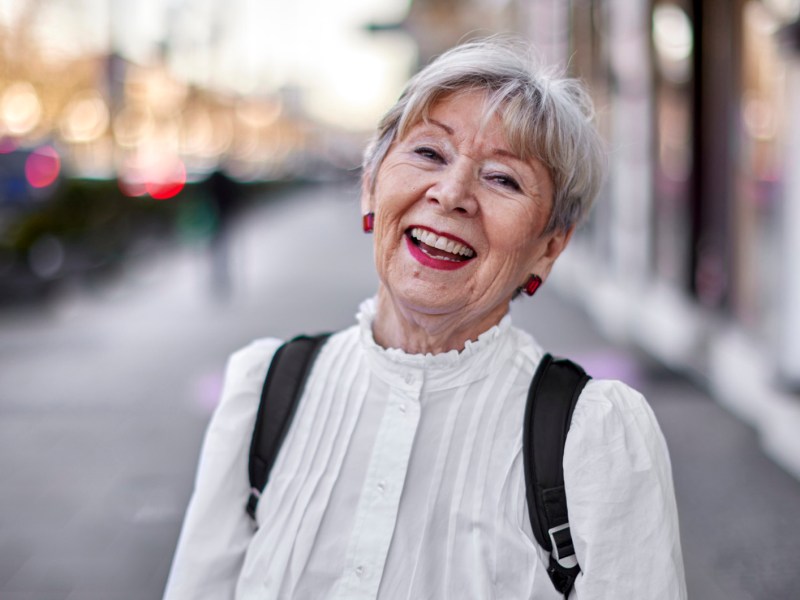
<point x="552" y="397"/>
<point x="282" y="389"/>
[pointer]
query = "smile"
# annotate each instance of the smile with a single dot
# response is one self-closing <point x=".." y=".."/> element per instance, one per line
<point x="436" y="250"/>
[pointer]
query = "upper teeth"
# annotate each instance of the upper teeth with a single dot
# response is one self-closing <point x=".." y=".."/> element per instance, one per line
<point x="440" y="243"/>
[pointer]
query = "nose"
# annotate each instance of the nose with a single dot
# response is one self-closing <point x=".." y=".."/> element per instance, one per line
<point x="454" y="190"/>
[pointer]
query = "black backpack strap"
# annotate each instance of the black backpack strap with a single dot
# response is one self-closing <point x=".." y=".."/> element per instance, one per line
<point x="282" y="389"/>
<point x="552" y="397"/>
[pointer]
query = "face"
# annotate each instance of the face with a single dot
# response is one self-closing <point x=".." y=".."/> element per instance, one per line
<point x="459" y="219"/>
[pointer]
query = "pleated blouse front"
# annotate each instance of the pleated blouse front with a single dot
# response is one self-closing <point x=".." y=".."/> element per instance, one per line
<point x="401" y="477"/>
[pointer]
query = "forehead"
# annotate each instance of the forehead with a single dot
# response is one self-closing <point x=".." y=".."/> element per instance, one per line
<point x="464" y="114"/>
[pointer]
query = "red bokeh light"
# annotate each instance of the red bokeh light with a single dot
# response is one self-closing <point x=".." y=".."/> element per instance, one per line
<point x="42" y="167"/>
<point x="168" y="185"/>
<point x="131" y="186"/>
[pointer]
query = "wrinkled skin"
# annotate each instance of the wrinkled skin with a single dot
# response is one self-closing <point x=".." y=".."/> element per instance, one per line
<point x="455" y="174"/>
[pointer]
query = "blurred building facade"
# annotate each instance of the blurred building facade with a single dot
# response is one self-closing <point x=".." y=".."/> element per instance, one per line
<point x="97" y="123"/>
<point x="692" y="252"/>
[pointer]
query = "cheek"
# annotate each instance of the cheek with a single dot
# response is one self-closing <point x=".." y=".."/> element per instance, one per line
<point x="512" y="232"/>
<point x="514" y="237"/>
<point x="387" y="247"/>
<point x="390" y="207"/>
<point x="399" y="187"/>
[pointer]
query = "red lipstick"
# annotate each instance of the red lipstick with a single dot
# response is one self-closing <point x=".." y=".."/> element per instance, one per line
<point x="416" y="249"/>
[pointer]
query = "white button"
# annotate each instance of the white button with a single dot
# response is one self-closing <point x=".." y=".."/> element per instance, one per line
<point x="410" y="378"/>
<point x="381" y="486"/>
<point x="359" y="570"/>
<point x="402" y="408"/>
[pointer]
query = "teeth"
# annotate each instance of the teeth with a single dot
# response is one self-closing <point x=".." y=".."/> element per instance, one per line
<point x="440" y="243"/>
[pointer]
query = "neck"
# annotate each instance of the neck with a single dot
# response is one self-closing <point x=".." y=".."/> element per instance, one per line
<point x="415" y="331"/>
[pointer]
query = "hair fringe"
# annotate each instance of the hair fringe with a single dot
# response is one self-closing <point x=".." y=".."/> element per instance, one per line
<point x="547" y="116"/>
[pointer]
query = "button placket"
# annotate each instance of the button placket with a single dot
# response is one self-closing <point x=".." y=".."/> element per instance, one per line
<point x="380" y="498"/>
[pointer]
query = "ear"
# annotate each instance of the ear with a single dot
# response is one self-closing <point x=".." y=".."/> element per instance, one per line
<point x="367" y="204"/>
<point x="554" y="246"/>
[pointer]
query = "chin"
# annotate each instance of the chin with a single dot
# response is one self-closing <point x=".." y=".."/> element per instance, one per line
<point x="428" y="298"/>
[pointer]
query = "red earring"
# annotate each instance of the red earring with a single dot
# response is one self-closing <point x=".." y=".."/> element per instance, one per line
<point x="533" y="283"/>
<point x="368" y="222"/>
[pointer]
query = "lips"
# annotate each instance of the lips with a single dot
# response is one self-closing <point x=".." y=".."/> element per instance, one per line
<point x="438" y="250"/>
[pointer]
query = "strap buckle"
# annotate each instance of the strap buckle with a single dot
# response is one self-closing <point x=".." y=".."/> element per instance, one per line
<point x="563" y="548"/>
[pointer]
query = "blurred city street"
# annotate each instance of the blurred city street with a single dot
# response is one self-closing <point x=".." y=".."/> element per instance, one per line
<point x="148" y="229"/>
<point x="105" y="393"/>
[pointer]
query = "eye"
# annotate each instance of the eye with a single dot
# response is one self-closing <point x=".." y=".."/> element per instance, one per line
<point x="506" y="181"/>
<point x="428" y="152"/>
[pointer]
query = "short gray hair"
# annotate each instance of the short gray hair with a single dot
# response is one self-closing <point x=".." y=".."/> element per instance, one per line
<point x="545" y="116"/>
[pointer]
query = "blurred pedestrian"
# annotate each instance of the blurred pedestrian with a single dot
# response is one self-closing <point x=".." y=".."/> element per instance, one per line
<point x="223" y="194"/>
<point x="402" y="473"/>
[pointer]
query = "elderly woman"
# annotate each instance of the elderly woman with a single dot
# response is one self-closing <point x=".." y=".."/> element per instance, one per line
<point x="401" y="475"/>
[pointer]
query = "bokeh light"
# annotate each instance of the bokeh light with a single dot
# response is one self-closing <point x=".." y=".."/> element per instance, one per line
<point x="42" y="167"/>
<point x="85" y="118"/>
<point x="20" y="108"/>
<point x="131" y="126"/>
<point x="131" y="182"/>
<point x="167" y="182"/>
<point x="673" y="39"/>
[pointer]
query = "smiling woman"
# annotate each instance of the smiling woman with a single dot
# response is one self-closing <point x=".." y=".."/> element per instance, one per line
<point x="454" y="177"/>
<point x="402" y="473"/>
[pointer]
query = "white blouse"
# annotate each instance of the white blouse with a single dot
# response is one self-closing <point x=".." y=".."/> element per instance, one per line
<point x="401" y="477"/>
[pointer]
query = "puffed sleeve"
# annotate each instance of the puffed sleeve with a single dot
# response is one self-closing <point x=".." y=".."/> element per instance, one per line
<point x="216" y="529"/>
<point x="621" y="501"/>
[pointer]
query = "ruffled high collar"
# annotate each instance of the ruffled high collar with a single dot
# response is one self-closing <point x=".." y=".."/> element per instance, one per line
<point x="438" y="370"/>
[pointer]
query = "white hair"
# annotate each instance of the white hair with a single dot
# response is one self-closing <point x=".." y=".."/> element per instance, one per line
<point x="545" y="117"/>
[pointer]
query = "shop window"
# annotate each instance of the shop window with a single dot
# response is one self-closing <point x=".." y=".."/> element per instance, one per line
<point x="762" y="119"/>
<point x="589" y="62"/>
<point x="673" y="49"/>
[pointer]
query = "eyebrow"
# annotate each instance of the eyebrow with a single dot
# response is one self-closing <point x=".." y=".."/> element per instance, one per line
<point x="447" y="128"/>
<point x="506" y="153"/>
